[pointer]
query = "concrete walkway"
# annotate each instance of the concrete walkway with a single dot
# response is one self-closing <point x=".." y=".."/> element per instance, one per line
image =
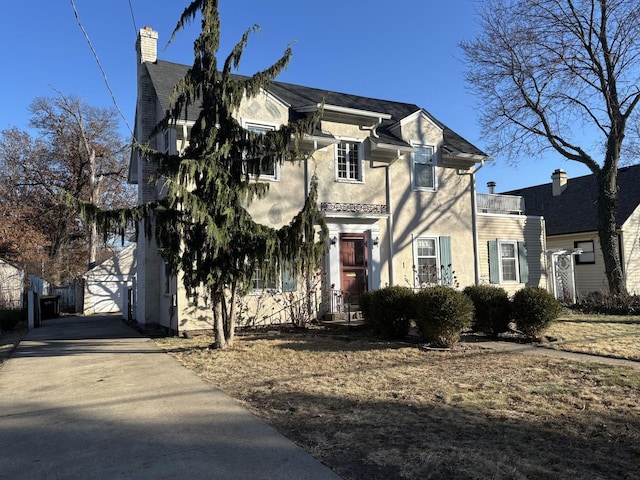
<point x="90" y="398"/>
<point x="507" y="347"/>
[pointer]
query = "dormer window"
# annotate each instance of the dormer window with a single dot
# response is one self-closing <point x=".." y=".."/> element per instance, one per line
<point x="423" y="170"/>
<point x="348" y="162"/>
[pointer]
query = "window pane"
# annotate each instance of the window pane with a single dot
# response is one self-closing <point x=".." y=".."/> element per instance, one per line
<point x="263" y="169"/>
<point x="588" y="255"/>
<point x="508" y="250"/>
<point x="509" y="272"/>
<point x="348" y="161"/>
<point x="423" y="175"/>
<point x="424" y="155"/>
<point x="508" y="261"/>
<point x="427" y="267"/>
<point x="426" y="247"/>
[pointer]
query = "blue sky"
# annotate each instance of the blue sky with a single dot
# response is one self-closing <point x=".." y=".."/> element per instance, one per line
<point x="405" y="50"/>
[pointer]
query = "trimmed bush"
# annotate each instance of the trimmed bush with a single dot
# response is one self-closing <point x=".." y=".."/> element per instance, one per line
<point x="441" y="314"/>
<point x="492" y="308"/>
<point x="534" y="309"/>
<point x="388" y="311"/>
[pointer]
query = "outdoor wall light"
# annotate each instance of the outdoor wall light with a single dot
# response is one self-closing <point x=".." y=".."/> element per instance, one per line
<point x="376" y="241"/>
<point x="334" y="240"/>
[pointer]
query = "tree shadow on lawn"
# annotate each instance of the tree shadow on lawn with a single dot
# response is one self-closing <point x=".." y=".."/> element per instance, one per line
<point x="365" y="440"/>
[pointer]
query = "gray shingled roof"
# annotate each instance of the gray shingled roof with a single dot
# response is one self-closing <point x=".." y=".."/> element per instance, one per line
<point x="576" y="209"/>
<point x="165" y="75"/>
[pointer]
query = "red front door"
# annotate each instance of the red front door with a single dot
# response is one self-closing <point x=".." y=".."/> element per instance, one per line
<point x="353" y="265"/>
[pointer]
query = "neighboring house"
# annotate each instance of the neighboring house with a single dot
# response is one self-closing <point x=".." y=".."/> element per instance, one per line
<point x="396" y="186"/>
<point x="570" y="209"/>
<point x="11" y="285"/>
<point x="106" y="286"/>
<point x="511" y="242"/>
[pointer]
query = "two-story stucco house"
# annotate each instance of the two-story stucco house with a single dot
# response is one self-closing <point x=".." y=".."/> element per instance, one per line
<point x="396" y="186"/>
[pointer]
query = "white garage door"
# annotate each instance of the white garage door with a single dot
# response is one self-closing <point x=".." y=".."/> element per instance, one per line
<point x="103" y="297"/>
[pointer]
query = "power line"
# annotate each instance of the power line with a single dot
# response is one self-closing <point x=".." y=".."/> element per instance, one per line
<point x="104" y="75"/>
<point x="133" y="19"/>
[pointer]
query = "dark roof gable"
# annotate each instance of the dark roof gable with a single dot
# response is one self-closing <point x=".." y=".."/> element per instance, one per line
<point x="576" y="209"/>
<point x="165" y="75"/>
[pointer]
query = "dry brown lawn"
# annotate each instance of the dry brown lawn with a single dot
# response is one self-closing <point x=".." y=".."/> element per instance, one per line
<point x="606" y="335"/>
<point x="378" y="410"/>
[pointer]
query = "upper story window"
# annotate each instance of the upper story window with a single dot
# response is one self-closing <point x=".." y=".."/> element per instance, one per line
<point x="423" y="172"/>
<point x="588" y="255"/>
<point x="348" y="162"/>
<point x="264" y="170"/>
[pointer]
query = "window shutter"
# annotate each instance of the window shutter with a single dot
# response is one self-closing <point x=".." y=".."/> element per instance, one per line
<point x="494" y="262"/>
<point x="524" y="265"/>
<point x="445" y="260"/>
<point x="289" y="280"/>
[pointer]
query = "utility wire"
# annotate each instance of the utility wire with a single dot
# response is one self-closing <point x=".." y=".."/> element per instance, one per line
<point x="133" y="19"/>
<point x="104" y="75"/>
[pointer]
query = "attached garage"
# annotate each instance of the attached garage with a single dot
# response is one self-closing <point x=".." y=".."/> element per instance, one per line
<point x="106" y="284"/>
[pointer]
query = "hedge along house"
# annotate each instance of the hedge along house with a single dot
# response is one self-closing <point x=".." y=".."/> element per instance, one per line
<point x="570" y="209"/>
<point x="396" y="186"/>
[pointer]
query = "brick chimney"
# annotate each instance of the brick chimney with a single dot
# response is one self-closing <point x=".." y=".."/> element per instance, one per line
<point x="147" y="45"/>
<point x="558" y="182"/>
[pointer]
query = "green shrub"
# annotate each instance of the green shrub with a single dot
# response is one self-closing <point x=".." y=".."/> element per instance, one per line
<point x="441" y="314"/>
<point x="492" y="308"/>
<point x="388" y="311"/>
<point x="534" y="309"/>
<point x="10" y="318"/>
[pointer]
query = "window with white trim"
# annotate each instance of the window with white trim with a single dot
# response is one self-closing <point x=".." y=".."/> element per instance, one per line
<point x="423" y="171"/>
<point x="508" y="261"/>
<point x="588" y="255"/>
<point x="348" y="162"/>
<point x="433" y="261"/>
<point x="263" y="171"/>
<point x="427" y="261"/>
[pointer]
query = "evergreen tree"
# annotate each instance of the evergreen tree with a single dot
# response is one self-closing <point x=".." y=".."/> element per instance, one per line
<point x="203" y="227"/>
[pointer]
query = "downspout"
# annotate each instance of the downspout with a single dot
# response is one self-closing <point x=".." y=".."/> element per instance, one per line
<point x="387" y="168"/>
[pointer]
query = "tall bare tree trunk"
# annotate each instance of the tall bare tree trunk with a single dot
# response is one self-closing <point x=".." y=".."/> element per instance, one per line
<point x="607" y="233"/>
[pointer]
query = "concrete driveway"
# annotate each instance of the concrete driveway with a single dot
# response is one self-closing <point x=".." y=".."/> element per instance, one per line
<point x="90" y="398"/>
